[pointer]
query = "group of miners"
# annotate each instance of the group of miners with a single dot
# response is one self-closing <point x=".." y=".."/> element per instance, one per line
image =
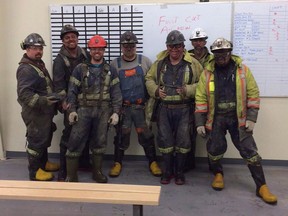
<point x="183" y="92"/>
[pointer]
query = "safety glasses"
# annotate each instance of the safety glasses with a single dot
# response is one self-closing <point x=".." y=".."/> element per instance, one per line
<point x="176" y="46"/>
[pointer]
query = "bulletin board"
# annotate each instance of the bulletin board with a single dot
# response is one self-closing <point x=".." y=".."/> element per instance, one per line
<point x="258" y="30"/>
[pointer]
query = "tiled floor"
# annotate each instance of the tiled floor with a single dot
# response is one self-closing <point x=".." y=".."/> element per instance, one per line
<point x="196" y="197"/>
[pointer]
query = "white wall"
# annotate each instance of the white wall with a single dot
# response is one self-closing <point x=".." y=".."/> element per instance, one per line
<point x="19" y="18"/>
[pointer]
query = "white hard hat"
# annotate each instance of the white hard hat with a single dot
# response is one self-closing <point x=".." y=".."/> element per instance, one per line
<point x="198" y="33"/>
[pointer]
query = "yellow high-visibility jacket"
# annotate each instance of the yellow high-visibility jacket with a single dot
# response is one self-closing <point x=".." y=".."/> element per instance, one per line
<point x="152" y="80"/>
<point x="151" y="77"/>
<point x="247" y="95"/>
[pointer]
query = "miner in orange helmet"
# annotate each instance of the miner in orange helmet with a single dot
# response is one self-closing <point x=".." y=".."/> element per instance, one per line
<point x="95" y="99"/>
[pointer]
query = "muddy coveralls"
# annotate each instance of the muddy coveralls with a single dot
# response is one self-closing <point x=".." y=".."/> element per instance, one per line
<point x="134" y="93"/>
<point x="174" y="115"/>
<point x="63" y="66"/>
<point x="225" y="98"/>
<point x="33" y="85"/>
<point x="94" y="93"/>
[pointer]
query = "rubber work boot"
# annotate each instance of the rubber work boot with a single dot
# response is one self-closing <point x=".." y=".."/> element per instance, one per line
<point x="266" y="195"/>
<point x="42" y="175"/>
<point x="218" y="182"/>
<point x="190" y="159"/>
<point x="155" y="169"/>
<point x="72" y="168"/>
<point x="180" y="179"/>
<point x="166" y="178"/>
<point x="168" y="171"/>
<point x="36" y="172"/>
<point x="61" y="175"/>
<point x="62" y="170"/>
<point x="84" y="160"/>
<point x="179" y="165"/>
<point x="52" y="167"/>
<point x="115" y="170"/>
<point x="97" y="169"/>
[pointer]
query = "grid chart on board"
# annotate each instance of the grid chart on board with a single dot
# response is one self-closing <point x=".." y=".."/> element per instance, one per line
<point x="109" y="21"/>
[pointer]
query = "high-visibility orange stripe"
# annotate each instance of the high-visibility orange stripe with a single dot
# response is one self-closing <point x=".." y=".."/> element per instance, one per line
<point x="243" y="88"/>
<point x="201" y="108"/>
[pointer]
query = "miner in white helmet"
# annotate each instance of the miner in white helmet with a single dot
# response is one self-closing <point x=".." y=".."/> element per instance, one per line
<point x="198" y="40"/>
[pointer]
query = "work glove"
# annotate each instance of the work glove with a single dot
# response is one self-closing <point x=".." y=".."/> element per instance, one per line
<point x="249" y="125"/>
<point x="73" y="118"/>
<point x="201" y="131"/>
<point x="114" y="119"/>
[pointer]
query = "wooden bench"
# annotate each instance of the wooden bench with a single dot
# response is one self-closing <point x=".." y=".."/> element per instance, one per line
<point x="137" y="195"/>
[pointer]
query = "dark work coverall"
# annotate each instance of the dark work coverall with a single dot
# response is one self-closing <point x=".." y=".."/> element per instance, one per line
<point x="175" y="119"/>
<point x="33" y="85"/>
<point x="132" y="84"/>
<point x="225" y="119"/>
<point x="63" y="67"/>
<point x="94" y="93"/>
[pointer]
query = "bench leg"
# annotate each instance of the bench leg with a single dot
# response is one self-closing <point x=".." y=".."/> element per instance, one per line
<point x="137" y="210"/>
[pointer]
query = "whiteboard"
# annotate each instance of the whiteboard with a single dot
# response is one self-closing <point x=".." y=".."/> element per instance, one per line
<point x="260" y="37"/>
<point x="159" y="20"/>
<point x="258" y="30"/>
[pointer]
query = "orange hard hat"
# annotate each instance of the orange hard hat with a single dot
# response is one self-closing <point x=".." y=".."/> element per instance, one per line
<point x="97" y="42"/>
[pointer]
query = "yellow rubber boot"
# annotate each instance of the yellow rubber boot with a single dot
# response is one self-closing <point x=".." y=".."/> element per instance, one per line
<point x="52" y="167"/>
<point x="115" y="170"/>
<point x="42" y="175"/>
<point x="155" y="169"/>
<point x="218" y="182"/>
<point x="266" y="195"/>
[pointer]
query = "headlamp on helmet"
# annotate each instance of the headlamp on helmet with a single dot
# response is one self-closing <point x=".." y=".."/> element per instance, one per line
<point x="221" y="44"/>
<point x="198" y="33"/>
<point x="97" y="41"/>
<point x="67" y="29"/>
<point x="32" y="39"/>
<point x="128" y="38"/>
